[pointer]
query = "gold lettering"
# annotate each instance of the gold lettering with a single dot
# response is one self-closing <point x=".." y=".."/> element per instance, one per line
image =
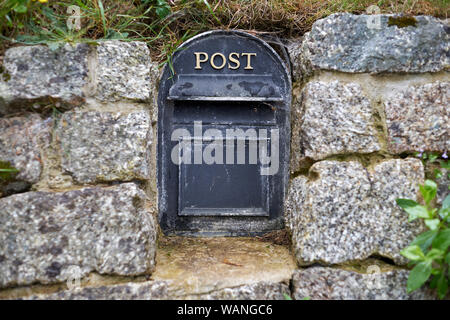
<point x="234" y="60"/>
<point x="249" y="55"/>
<point x="198" y="60"/>
<point x="224" y="60"/>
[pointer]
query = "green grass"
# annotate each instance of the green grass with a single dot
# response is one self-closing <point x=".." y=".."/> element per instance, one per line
<point x="165" y="24"/>
<point x="7" y="172"/>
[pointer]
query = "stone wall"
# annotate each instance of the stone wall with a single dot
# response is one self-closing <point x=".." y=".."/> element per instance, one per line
<point x="78" y="122"/>
<point x="365" y="101"/>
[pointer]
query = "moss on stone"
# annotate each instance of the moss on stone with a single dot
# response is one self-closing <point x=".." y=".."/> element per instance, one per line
<point x="402" y="22"/>
<point x="5" y="75"/>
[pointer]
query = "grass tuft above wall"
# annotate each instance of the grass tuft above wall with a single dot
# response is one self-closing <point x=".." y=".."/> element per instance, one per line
<point x="165" y="24"/>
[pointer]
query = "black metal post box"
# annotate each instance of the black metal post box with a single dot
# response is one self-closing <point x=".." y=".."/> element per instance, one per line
<point x="223" y="137"/>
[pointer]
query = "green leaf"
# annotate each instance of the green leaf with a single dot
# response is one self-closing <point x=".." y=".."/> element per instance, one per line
<point x="447" y="259"/>
<point x="432" y="157"/>
<point x="414" y="209"/>
<point x="437" y="173"/>
<point x="9" y="21"/>
<point x="102" y="15"/>
<point x="446" y="202"/>
<point x="433" y="224"/>
<point x="21" y="8"/>
<point x="444" y="213"/>
<point x="162" y="9"/>
<point x="114" y="35"/>
<point x="53" y="46"/>
<point x="442" y="286"/>
<point x="286" y="296"/>
<point x="406" y="203"/>
<point x="435" y="254"/>
<point x="413" y="253"/>
<point x="442" y="240"/>
<point x="445" y="164"/>
<point x="424" y="240"/>
<point x="162" y="12"/>
<point x="428" y="190"/>
<point x="419" y="275"/>
<point x="433" y="282"/>
<point x="435" y="271"/>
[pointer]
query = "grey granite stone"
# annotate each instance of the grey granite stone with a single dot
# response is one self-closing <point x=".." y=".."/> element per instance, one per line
<point x="255" y="291"/>
<point x="333" y="118"/>
<point x="22" y="140"/>
<point x="294" y="49"/>
<point x="319" y="283"/>
<point x="442" y="181"/>
<point x="329" y="216"/>
<point x="151" y="290"/>
<point x="104" y="146"/>
<point x="159" y="290"/>
<point x="155" y="75"/>
<point x="295" y="199"/>
<point x="38" y="72"/>
<point x="346" y="42"/>
<point x="44" y="235"/>
<point x="418" y="118"/>
<point x="124" y="70"/>
<point x="110" y="71"/>
<point x="443" y="186"/>
<point x="343" y="212"/>
<point x="391" y="180"/>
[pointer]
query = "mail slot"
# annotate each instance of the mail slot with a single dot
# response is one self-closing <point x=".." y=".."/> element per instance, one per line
<point x="223" y="137"/>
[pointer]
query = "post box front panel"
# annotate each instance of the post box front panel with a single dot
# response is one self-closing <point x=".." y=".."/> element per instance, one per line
<point x="223" y="82"/>
<point x="222" y="189"/>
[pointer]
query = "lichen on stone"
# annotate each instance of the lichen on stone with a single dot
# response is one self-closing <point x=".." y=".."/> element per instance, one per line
<point x="402" y="22"/>
<point x="4" y="74"/>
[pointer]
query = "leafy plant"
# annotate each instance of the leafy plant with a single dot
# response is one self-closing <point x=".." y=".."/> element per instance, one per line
<point x="429" y="252"/>
<point x="435" y="158"/>
<point x="13" y="13"/>
<point x="162" y="8"/>
<point x="48" y="23"/>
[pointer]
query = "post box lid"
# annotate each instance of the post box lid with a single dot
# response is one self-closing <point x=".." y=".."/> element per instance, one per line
<point x="225" y="87"/>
